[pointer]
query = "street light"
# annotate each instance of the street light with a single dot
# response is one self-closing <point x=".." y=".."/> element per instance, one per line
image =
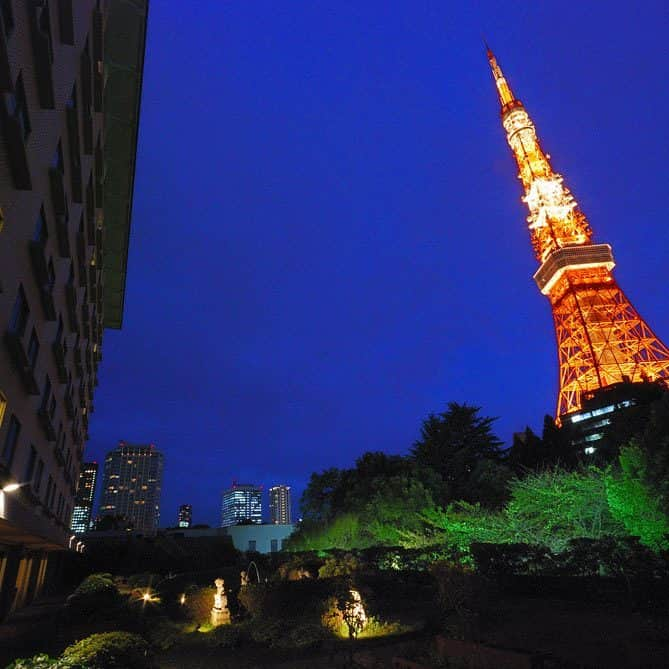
<point x="12" y="487"/>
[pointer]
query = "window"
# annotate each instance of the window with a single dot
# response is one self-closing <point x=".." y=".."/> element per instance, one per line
<point x="33" y="348"/>
<point x="13" y="431"/>
<point x="30" y="468"/>
<point x="20" y="313"/>
<point x="7" y="16"/>
<point x="252" y="545"/>
<point x="3" y="406"/>
<point x="39" y="472"/>
<point x="20" y="110"/>
<point x="274" y="545"/>
<point x="41" y="233"/>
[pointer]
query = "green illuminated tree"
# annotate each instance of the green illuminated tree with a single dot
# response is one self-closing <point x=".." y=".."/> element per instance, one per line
<point x="554" y="506"/>
<point x="633" y="502"/>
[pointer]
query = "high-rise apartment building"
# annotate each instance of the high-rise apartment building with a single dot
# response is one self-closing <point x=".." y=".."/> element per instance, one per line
<point x="131" y="485"/>
<point x="242" y="503"/>
<point x="185" y="518"/>
<point x="70" y="85"/>
<point x="83" y="502"/>
<point x="279" y="504"/>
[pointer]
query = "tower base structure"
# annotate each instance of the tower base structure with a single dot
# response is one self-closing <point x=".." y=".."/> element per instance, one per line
<point x="592" y="430"/>
<point x="601" y="338"/>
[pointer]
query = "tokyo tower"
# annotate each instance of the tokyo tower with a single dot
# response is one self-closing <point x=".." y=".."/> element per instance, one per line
<point x="601" y="338"/>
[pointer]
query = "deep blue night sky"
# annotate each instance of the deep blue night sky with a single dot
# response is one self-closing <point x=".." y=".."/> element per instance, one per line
<point x="327" y="238"/>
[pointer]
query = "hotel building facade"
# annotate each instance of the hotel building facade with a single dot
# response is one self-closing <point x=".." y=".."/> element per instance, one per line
<point x="70" y="86"/>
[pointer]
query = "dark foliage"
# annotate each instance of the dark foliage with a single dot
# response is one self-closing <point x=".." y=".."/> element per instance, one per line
<point x="460" y="447"/>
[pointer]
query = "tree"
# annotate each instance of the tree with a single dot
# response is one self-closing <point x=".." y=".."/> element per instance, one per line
<point x="632" y="501"/>
<point x="453" y="444"/>
<point x="554" y="506"/>
<point x="321" y="498"/>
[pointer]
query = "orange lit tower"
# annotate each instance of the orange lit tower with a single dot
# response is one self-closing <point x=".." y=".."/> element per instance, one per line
<point x="601" y="338"/>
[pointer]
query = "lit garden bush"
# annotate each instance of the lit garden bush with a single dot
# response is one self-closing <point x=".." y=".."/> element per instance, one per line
<point x="41" y="661"/>
<point x="96" y="596"/>
<point x="110" y="650"/>
<point x="198" y="603"/>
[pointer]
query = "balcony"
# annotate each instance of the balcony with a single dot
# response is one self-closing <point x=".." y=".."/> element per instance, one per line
<point x="58" y="194"/>
<point x="46" y="423"/>
<point x="93" y="280"/>
<point x="75" y="151"/>
<point x="87" y="130"/>
<point x="59" y="349"/>
<point x="81" y="258"/>
<point x="71" y="299"/>
<point x="13" y="124"/>
<point x="82" y="394"/>
<point x="98" y="84"/>
<point x="60" y="458"/>
<point x="5" y="69"/>
<point x="40" y="26"/>
<point x="78" y="366"/>
<point x="14" y="344"/>
<point x="30" y="495"/>
<point x="39" y="264"/>
<point x="44" y="281"/>
<point x="69" y="404"/>
<point x="85" y="314"/>
<point x="99" y="176"/>
<point x="66" y="22"/>
<point x="63" y="235"/>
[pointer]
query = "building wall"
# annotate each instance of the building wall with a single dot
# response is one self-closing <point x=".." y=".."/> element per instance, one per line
<point x="266" y="538"/>
<point x="41" y="509"/>
<point x="59" y="272"/>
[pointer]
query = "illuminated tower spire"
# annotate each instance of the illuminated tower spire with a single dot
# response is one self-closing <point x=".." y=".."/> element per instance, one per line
<point x="600" y="336"/>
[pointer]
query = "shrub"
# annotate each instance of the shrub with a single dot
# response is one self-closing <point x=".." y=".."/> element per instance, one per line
<point x="227" y="636"/>
<point x="39" y="662"/>
<point x="110" y="650"/>
<point x="307" y="635"/>
<point x="96" y="595"/>
<point x="462" y="597"/>
<point x="499" y="560"/>
<point x="253" y="597"/>
<point x="198" y="603"/>
<point x="342" y="565"/>
<point x="145" y="580"/>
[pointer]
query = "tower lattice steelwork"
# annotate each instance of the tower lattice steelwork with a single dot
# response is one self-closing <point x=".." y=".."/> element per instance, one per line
<point x="601" y="338"/>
